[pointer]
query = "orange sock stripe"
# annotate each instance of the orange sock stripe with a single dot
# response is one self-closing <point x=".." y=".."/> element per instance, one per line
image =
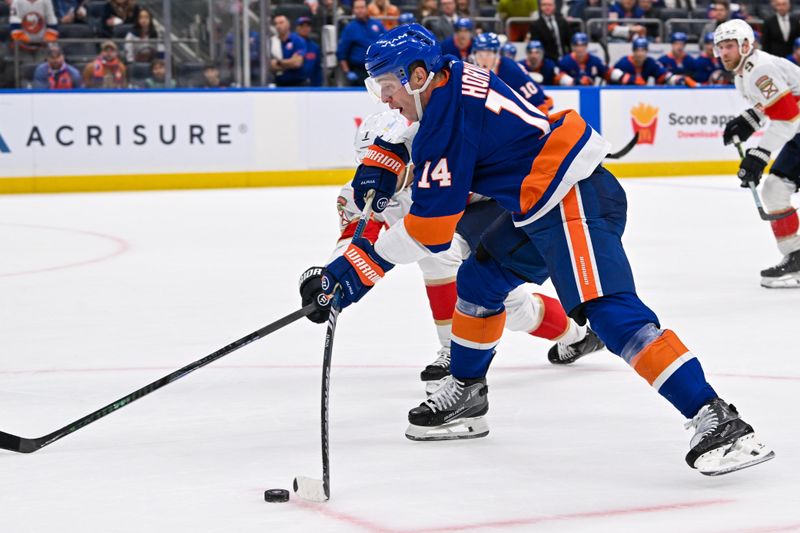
<point x="657" y="356"/>
<point x="554" y="322"/>
<point x="578" y="235"/>
<point x="478" y="330"/>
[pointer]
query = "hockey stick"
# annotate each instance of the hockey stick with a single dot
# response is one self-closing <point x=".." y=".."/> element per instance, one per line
<point x="317" y="490"/>
<point x="627" y="148"/>
<point x="757" y="199"/>
<point x="23" y="445"/>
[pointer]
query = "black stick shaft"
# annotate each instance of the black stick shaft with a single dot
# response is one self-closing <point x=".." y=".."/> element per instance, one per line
<point x="23" y="445"/>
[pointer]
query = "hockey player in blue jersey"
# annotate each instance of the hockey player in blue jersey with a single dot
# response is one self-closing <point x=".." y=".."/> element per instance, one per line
<point x="584" y="68"/>
<point x="708" y="69"/>
<point x="486" y="53"/>
<point x="638" y="68"/>
<point x="540" y="68"/>
<point x="510" y="51"/>
<point x="677" y="61"/>
<point x="565" y="218"/>
<point x="794" y="57"/>
<point x="460" y="43"/>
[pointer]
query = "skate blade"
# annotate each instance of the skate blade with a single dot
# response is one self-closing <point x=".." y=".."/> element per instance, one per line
<point x="745" y="452"/>
<point x="789" y="281"/>
<point x="461" y="428"/>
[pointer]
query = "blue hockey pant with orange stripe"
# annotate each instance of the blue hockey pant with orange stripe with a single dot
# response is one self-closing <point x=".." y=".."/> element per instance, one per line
<point x="578" y="245"/>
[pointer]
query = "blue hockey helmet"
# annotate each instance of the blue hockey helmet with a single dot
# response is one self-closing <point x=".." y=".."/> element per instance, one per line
<point x="580" y="38"/>
<point x="486" y="42"/>
<point x="388" y="60"/>
<point x="464" y="24"/>
<point x="640" y="43"/>
<point x="678" y="36"/>
<point x="406" y="18"/>
<point x="534" y="45"/>
<point x="708" y="38"/>
<point x="509" y="50"/>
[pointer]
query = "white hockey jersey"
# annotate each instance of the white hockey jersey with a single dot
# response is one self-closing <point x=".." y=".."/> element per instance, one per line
<point x="33" y="17"/>
<point x="772" y="85"/>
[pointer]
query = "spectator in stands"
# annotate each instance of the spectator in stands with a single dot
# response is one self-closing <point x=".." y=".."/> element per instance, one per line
<point x="426" y="8"/>
<point x="139" y="42"/>
<point x="584" y="68"/>
<point x="117" y="12"/>
<point x="443" y="26"/>
<point x="107" y="71"/>
<point x="638" y="68"/>
<point x="384" y="8"/>
<point x="70" y="11"/>
<point x="552" y="30"/>
<point x="312" y="61"/>
<point x="541" y="69"/>
<point x="708" y="69"/>
<point x="463" y="9"/>
<point x="361" y="32"/>
<point x="625" y="9"/>
<point x="509" y="50"/>
<point x="158" y="76"/>
<point x="780" y="30"/>
<point x="55" y="73"/>
<point x="517" y="8"/>
<point x="651" y="11"/>
<point x="460" y="43"/>
<point x="322" y="13"/>
<point x="211" y="78"/>
<point x="289" y="71"/>
<point x="720" y="12"/>
<point x="677" y="60"/>
<point x="33" y="24"/>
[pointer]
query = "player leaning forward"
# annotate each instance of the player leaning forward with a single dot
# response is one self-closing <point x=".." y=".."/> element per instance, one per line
<point x="772" y="85"/>
<point x="476" y="134"/>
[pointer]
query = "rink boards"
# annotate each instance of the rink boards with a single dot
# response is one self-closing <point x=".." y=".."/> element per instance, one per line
<point x="136" y="140"/>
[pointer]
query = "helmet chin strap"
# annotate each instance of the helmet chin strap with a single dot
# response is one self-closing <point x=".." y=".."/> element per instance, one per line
<point x="416" y="94"/>
<point x="743" y="56"/>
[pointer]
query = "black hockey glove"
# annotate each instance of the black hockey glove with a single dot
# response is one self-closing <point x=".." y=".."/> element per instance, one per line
<point x="311" y="291"/>
<point x="378" y="170"/>
<point x="741" y="128"/>
<point x="752" y="166"/>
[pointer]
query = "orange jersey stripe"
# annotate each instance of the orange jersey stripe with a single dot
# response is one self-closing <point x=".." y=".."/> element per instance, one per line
<point x="658" y="355"/>
<point x="478" y="330"/>
<point x="546" y="164"/>
<point x="431" y="231"/>
<point x="578" y="236"/>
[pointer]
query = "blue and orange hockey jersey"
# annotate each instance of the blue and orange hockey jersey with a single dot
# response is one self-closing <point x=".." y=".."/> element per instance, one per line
<point x="584" y="73"/>
<point x="547" y="69"/>
<point x="478" y="135"/>
<point x="515" y="76"/>
<point x="633" y="75"/>
<point x="704" y="66"/>
<point x="683" y="66"/>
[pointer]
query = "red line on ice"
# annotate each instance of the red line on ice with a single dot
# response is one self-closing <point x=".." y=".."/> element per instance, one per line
<point x="121" y="247"/>
<point x="326" y="510"/>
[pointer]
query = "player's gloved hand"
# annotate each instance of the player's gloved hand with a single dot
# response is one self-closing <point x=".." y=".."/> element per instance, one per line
<point x="311" y="291"/>
<point x="352" y="77"/>
<point x="379" y="169"/>
<point x="356" y="271"/>
<point x="752" y="166"/>
<point x="741" y="128"/>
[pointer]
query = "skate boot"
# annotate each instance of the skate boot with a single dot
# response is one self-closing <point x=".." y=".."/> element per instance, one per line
<point x="723" y="442"/>
<point x="454" y="411"/>
<point x="435" y="372"/>
<point x="784" y="275"/>
<point x="564" y="354"/>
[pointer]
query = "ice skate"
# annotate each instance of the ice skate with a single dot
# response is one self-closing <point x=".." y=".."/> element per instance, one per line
<point x="723" y="442"/>
<point x="454" y="411"/>
<point x="564" y="354"/>
<point x="435" y="372"/>
<point x="784" y="275"/>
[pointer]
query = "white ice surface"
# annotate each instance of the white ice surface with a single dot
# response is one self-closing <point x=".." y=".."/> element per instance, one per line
<point x="101" y="294"/>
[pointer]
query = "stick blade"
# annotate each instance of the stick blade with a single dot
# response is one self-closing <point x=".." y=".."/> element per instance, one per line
<point x="17" y="444"/>
<point x="310" y="489"/>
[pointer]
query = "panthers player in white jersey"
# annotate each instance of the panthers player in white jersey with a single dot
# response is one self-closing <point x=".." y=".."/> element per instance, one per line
<point x="536" y="314"/>
<point x="772" y="85"/>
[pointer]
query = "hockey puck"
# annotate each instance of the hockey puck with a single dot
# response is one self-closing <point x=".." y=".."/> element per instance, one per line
<point x="276" y="495"/>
